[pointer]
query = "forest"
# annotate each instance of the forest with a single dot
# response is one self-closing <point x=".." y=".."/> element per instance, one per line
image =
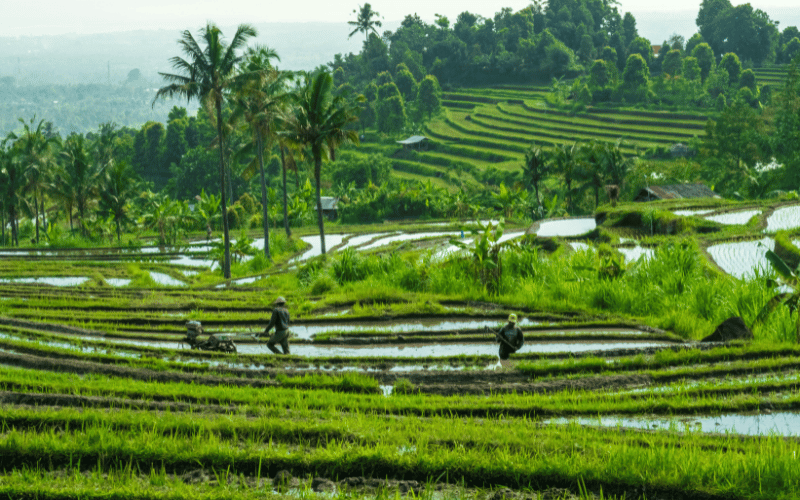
<point x="577" y="58"/>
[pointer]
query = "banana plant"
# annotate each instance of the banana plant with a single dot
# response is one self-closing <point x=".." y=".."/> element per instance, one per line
<point x="486" y="254"/>
<point x="789" y="279"/>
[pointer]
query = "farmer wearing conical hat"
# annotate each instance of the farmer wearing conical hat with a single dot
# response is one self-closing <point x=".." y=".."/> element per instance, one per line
<point x="279" y="320"/>
<point x="510" y="337"/>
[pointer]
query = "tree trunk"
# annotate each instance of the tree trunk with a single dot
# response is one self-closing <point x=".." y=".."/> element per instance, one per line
<point x="285" y="195"/>
<point x="119" y="236"/>
<point x="36" y="215"/>
<point x="12" y="214"/>
<point x="44" y="218"/>
<point x="226" y="260"/>
<point x="317" y="175"/>
<point x="264" y="201"/>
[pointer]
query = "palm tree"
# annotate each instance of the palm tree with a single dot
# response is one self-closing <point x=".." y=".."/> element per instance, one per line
<point x="364" y="22"/>
<point x="12" y="181"/>
<point x="535" y="169"/>
<point x="258" y="104"/>
<point x="209" y="75"/>
<point x="319" y="120"/>
<point x="119" y="188"/>
<point x="77" y="180"/>
<point x="35" y="154"/>
<point x="592" y="168"/>
<point x="567" y="161"/>
<point x="615" y="167"/>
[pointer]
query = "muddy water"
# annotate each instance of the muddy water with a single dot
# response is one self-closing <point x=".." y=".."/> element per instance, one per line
<point x="740" y="259"/>
<point x="779" y="423"/>
<point x="566" y="227"/>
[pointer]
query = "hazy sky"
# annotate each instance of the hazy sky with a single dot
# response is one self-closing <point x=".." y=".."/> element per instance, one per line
<point x="46" y="17"/>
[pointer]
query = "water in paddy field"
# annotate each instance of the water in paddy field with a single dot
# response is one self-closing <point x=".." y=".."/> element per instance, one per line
<point x="118" y="281"/>
<point x="408" y="350"/>
<point x="331" y="240"/>
<point x="740" y="259"/>
<point x="784" y="218"/>
<point x="732" y="218"/>
<point x="630" y="254"/>
<point x="438" y="325"/>
<point x="778" y="423"/>
<point x="689" y="213"/>
<point x="566" y="227"/>
<point x="165" y="279"/>
<point x="53" y="281"/>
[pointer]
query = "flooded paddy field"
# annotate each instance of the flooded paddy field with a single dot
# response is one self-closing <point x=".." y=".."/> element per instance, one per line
<point x="398" y="387"/>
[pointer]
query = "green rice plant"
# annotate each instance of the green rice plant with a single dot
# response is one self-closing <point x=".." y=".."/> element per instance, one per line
<point x="789" y="278"/>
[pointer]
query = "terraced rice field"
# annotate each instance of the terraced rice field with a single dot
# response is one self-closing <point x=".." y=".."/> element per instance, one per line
<point x="774" y="76"/>
<point x="494" y="126"/>
<point x="102" y="397"/>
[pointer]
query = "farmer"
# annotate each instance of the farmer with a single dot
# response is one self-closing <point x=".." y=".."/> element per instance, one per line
<point x="280" y="320"/>
<point x="510" y="337"/>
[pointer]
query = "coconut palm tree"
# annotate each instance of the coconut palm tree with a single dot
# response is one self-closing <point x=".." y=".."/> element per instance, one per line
<point x="535" y="169"/>
<point x="210" y="75"/>
<point x="33" y="150"/>
<point x="365" y="23"/>
<point x="567" y="161"/>
<point x="77" y="179"/>
<point x="119" y="187"/>
<point x="258" y="105"/>
<point x="319" y="120"/>
<point x="12" y="182"/>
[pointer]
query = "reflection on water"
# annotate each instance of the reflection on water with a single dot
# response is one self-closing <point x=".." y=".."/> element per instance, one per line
<point x="54" y="281"/>
<point x="734" y="217"/>
<point x="331" y="240"/>
<point x="566" y="227"/>
<point x="403" y="350"/>
<point x="784" y="218"/>
<point x="779" y="423"/>
<point x="740" y="259"/>
<point x="635" y="253"/>
<point x="688" y="213"/>
<point x="118" y="281"/>
<point x="436" y="325"/>
<point x="165" y="279"/>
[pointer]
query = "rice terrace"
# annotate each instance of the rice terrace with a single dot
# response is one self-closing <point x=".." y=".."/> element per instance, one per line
<point x="512" y="262"/>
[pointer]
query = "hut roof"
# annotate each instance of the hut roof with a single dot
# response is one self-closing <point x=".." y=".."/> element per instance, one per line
<point x="329" y="203"/>
<point x="676" y="191"/>
<point x="414" y="139"/>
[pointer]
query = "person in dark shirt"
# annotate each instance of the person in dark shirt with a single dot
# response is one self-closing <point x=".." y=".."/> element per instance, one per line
<point x="280" y="321"/>
<point x="510" y="337"/>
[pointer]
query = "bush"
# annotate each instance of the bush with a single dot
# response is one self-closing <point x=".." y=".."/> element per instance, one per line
<point x="322" y="284"/>
<point x="787" y="250"/>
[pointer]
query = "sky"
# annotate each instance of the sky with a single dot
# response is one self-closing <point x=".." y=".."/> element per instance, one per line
<point x="53" y="17"/>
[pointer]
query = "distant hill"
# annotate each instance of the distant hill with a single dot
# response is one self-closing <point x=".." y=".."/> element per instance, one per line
<point x="109" y="57"/>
